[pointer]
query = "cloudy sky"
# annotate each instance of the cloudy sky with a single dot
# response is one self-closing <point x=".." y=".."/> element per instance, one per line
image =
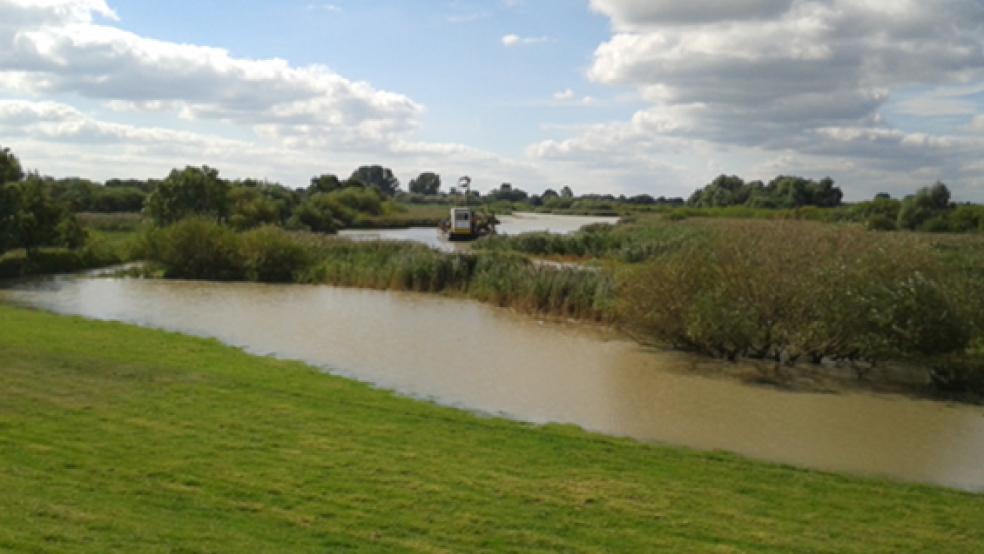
<point x="619" y="96"/>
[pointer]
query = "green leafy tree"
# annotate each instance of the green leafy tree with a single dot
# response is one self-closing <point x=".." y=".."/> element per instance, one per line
<point x="192" y="190"/>
<point x="377" y="177"/>
<point x="790" y="191"/>
<point x="824" y="194"/>
<point x="722" y="191"/>
<point x="426" y="183"/>
<point x="36" y="219"/>
<point x="249" y="208"/>
<point x="324" y="183"/>
<point x="10" y="167"/>
<point x="785" y="191"/>
<point x="966" y="218"/>
<point x="321" y="213"/>
<point x="928" y="205"/>
<point x="71" y="233"/>
<point x="508" y="193"/>
<point x="566" y="192"/>
<point x="8" y="208"/>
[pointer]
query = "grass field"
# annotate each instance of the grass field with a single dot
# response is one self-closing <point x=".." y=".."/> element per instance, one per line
<point x="117" y="438"/>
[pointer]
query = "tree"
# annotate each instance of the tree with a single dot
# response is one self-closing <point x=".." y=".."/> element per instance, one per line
<point x="642" y="199"/>
<point x="937" y="196"/>
<point x="8" y="207"/>
<point x="927" y="204"/>
<point x="507" y="193"/>
<point x="321" y="213"/>
<point x="35" y="221"/>
<point x="566" y="192"/>
<point x="824" y="194"/>
<point x="10" y="167"/>
<point x="192" y="190"/>
<point x="785" y="191"/>
<point x="251" y="208"/>
<point x="324" y="183"/>
<point x="71" y="233"/>
<point x="378" y="177"/>
<point x="790" y="191"/>
<point x="426" y="183"/>
<point x="722" y="191"/>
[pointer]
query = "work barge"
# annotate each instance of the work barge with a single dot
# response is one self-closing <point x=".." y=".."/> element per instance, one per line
<point x="466" y="223"/>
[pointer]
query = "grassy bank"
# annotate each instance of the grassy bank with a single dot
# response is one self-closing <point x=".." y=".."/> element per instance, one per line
<point x="116" y="438"/>
<point x="405" y="215"/>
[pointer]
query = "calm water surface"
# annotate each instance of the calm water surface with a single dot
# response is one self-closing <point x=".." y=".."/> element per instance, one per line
<point x="510" y="225"/>
<point x="474" y="356"/>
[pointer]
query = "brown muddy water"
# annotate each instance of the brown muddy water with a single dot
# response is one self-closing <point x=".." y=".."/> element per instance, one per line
<point x="470" y="355"/>
<point x="510" y="225"/>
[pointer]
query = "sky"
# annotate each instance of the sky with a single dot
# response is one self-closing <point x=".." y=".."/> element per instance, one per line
<point x="606" y="96"/>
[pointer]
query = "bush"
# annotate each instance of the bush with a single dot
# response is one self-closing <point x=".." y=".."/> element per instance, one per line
<point x="819" y="292"/>
<point x="880" y="222"/>
<point x="960" y="374"/>
<point x="270" y="254"/>
<point x="70" y="232"/>
<point x="44" y="261"/>
<point x="322" y="213"/>
<point x="114" y="222"/>
<point x="195" y="248"/>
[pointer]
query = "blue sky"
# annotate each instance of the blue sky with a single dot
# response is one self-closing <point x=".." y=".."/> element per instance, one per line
<point x="609" y="96"/>
<point x="448" y="56"/>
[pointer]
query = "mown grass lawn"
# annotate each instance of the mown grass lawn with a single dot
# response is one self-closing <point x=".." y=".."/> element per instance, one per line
<point x="117" y="438"/>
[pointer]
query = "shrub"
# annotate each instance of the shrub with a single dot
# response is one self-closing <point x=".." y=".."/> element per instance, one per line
<point x="880" y="222"/>
<point x="195" y="248"/>
<point x="270" y="254"/>
<point x="322" y="213"/>
<point x="819" y="292"/>
<point x="960" y="374"/>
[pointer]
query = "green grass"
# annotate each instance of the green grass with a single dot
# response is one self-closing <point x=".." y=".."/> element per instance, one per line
<point x="405" y="215"/>
<point x="117" y="438"/>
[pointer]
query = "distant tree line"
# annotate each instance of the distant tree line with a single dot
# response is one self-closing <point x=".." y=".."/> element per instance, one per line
<point x="326" y="205"/>
<point x="330" y="202"/>
<point x="929" y="209"/>
<point x="784" y="191"/>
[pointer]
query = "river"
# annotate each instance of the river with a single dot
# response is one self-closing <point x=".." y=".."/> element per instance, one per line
<point x="514" y="224"/>
<point x="487" y="359"/>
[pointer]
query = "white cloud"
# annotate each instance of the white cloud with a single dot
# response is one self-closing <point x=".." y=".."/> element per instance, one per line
<point x="566" y="94"/>
<point x="56" y="135"/>
<point x="795" y="66"/>
<point x="288" y="122"/>
<point x="515" y="40"/>
<point x="567" y="97"/>
<point x="324" y="7"/>
<point x="977" y="123"/>
<point x="810" y="78"/>
<point x="640" y="13"/>
<point x="64" y="52"/>
<point x="57" y="122"/>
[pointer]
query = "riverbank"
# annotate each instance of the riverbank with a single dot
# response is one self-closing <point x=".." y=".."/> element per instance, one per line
<point x="117" y="437"/>
<point x="898" y="312"/>
<point x="828" y="296"/>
